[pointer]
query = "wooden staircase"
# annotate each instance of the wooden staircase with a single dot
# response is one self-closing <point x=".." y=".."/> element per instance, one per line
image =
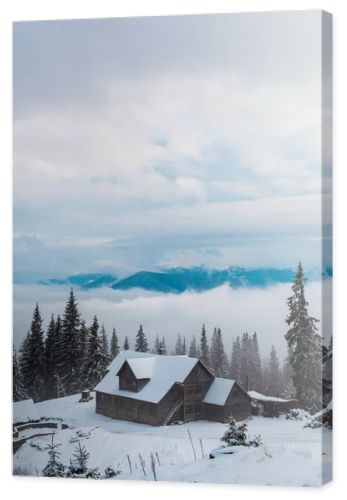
<point x="171" y="413"/>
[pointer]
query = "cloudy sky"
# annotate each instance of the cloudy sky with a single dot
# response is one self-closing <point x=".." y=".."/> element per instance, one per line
<point x="142" y="143"/>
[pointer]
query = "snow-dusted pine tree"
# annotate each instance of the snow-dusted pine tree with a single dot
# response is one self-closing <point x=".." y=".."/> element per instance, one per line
<point x="179" y="345"/>
<point x="218" y="358"/>
<point x="32" y="362"/>
<point x="126" y="346"/>
<point x="141" y="344"/>
<point x="274" y="384"/>
<point x="105" y="347"/>
<point x="256" y="373"/>
<point x="17" y="379"/>
<point x="50" y="346"/>
<point x="114" y="351"/>
<point x="235" y="365"/>
<point x="235" y="435"/>
<point x="54" y="468"/>
<point x="204" y="349"/>
<point x="96" y="362"/>
<point x="193" y="350"/>
<point x="162" y="346"/>
<point x="305" y="346"/>
<point x="68" y="346"/>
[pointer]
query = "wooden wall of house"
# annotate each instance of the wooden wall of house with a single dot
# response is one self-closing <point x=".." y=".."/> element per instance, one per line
<point x="196" y="386"/>
<point x="134" y="410"/>
<point x="237" y="405"/>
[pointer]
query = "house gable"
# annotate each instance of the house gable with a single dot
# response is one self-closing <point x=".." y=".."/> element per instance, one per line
<point x="128" y="380"/>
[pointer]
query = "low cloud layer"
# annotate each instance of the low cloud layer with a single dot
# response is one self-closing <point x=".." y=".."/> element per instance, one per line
<point x="234" y="311"/>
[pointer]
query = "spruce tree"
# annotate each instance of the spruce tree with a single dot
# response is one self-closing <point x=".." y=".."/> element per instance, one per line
<point x="274" y="373"/>
<point x="54" y="468"/>
<point x="179" y="345"/>
<point x="255" y="368"/>
<point x="157" y="345"/>
<point x="51" y="368"/>
<point x="96" y="362"/>
<point x="33" y="365"/>
<point x="141" y="344"/>
<point x="184" y="346"/>
<point x="305" y="346"/>
<point x="219" y="361"/>
<point x="68" y="346"/>
<point x="235" y="364"/>
<point x="126" y="344"/>
<point x="193" y="351"/>
<point x="114" y="345"/>
<point x="204" y="349"/>
<point x="105" y="347"/>
<point x="17" y="379"/>
<point x="162" y="347"/>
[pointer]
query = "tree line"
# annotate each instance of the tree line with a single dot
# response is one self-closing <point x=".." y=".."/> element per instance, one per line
<point x="71" y="356"/>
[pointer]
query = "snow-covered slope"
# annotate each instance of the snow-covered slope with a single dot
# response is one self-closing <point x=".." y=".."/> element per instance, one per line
<point x="291" y="455"/>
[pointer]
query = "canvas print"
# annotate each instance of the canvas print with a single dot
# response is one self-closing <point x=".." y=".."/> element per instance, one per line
<point x="172" y="249"/>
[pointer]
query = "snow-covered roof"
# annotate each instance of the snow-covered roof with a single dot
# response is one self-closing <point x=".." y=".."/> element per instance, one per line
<point x="262" y="397"/>
<point x="219" y="391"/>
<point x="142" y="367"/>
<point x="164" y="372"/>
<point x="25" y="411"/>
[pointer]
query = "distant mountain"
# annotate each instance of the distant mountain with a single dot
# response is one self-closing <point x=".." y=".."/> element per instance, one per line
<point x="92" y="280"/>
<point x="179" y="279"/>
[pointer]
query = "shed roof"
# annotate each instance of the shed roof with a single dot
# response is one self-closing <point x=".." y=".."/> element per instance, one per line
<point x="219" y="391"/>
<point x="164" y="372"/>
<point x="25" y="411"/>
<point x="262" y="397"/>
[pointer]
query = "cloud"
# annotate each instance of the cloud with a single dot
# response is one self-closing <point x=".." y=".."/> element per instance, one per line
<point x="234" y="311"/>
<point x="203" y="140"/>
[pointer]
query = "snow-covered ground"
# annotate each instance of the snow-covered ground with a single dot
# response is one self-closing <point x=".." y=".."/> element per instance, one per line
<point x="290" y="454"/>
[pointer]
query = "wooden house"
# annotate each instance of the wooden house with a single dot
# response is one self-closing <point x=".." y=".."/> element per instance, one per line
<point x="159" y="389"/>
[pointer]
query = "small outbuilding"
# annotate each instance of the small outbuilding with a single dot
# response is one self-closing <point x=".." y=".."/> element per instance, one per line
<point x="269" y="406"/>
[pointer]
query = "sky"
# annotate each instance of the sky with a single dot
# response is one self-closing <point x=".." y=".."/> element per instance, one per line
<point x="144" y="143"/>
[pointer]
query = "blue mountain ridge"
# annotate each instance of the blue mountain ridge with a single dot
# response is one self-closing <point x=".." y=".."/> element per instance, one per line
<point x="180" y="279"/>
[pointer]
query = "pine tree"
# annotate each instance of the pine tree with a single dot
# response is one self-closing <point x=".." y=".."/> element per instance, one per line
<point x="114" y="344"/>
<point x="50" y="345"/>
<point x="33" y="365"/>
<point x="17" y="379"/>
<point x="204" y="349"/>
<point x="79" y="464"/>
<point x="288" y="389"/>
<point x="126" y="344"/>
<point x="235" y="364"/>
<point x="193" y="351"/>
<point x="141" y="344"/>
<point x="184" y="346"/>
<point x="305" y="346"/>
<point x="179" y="345"/>
<point x="105" y="347"/>
<point x="157" y="345"/>
<point x="235" y="435"/>
<point x="53" y="468"/>
<point x="162" y="346"/>
<point x="245" y="360"/>
<point x="274" y="382"/>
<point x="219" y="361"/>
<point x="255" y="368"/>
<point x="68" y="347"/>
<point x="96" y="361"/>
